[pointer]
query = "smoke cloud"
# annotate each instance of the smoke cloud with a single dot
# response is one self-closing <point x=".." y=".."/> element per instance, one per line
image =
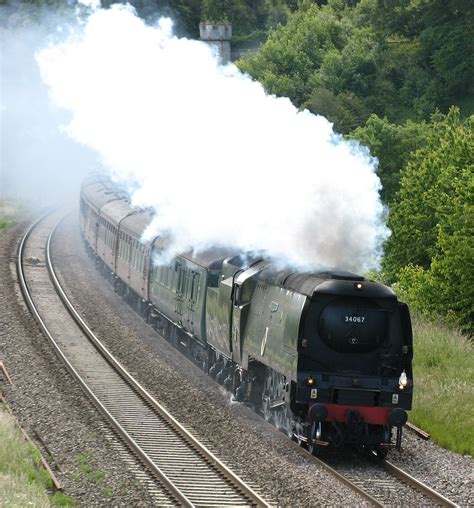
<point x="219" y="160"/>
<point x="39" y="165"/>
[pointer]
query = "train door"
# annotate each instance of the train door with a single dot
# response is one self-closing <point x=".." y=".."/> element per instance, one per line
<point x="180" y="291"/>
<point x="192" y="307"/>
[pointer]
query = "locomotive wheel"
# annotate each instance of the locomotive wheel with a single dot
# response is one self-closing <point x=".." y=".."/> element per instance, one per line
<point x="313" y="448"/>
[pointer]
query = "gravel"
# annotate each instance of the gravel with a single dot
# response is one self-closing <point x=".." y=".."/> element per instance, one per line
<point x="447" y="472"/>
<point x="45" y="399"/>
<point x="52" y="409"/>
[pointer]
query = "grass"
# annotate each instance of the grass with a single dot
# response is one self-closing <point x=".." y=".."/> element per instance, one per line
<point x="443" y="367"/>
<point x="23" y="480"/>
<point x="9" y="214"/>
<point x="5" y="224"/>
<point x="86" y="466"/>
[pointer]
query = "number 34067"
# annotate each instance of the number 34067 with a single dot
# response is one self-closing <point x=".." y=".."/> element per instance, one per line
<point x="354" y="319"/>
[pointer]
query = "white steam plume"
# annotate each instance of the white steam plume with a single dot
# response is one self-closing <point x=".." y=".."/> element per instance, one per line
<point x="39" y="165"/>
<point x="220" y="161"/>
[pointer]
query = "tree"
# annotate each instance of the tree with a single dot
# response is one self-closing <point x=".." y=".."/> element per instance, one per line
<point x="399" y="58"/>
<point x="393" y="145"/>
<point x="248" y="17"/>
<point x="293" y="52"/>
<point x="443" y="31"/>
<point x="345" y="110"/>
<point x="216" y="10"/>
<point x="431" y="250"/>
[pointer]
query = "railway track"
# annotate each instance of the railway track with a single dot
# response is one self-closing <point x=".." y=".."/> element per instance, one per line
<point x="384" y="484"/>
<point x="190" y="475"/>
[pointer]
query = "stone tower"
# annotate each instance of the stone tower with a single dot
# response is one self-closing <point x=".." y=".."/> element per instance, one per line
<point x="218" y="36"/>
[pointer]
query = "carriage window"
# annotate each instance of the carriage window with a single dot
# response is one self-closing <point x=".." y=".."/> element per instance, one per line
<point x="194" y="279"/>
<point x="134" y="255"/>
<point x="181" y="280"/>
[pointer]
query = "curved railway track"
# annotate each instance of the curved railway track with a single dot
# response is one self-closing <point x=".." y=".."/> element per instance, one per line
<point x="189" y="474"/>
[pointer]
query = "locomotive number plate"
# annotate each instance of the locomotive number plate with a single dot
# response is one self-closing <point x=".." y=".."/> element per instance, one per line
<point x="354" y="319"/>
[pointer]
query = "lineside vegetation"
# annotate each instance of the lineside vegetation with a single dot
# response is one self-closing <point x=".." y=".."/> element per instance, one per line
<point x="9" y="214"/>
<point x="443" y="366"/>
<point x="23" y="480"/>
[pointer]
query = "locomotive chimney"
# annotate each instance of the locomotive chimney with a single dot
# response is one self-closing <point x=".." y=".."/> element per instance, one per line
<point x="218" y="36"/>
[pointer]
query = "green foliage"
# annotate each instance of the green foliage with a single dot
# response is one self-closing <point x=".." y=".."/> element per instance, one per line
<point x="60" y="499"/>
<point x="247" y="16"/>
<point x="10" y="213"/>
<point x="216" y="10"/>
<point x="5" y="224"/>
<point x="447" y="45"/>
<point x="277" y="12"/>
<point x="443" y="31"/>
<point x="431" y="250"/>
<point x="293" y="52"/>
<point x="346" y="110"/>
<point x="347" y="60"/>
<point x="23" y="480"/>
<point x="86" y="465"/>
<point x="443" y="365"/>
<point x="393" y="145"/>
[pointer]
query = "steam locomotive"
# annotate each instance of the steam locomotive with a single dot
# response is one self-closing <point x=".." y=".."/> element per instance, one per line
<point x="326" y="356"/>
